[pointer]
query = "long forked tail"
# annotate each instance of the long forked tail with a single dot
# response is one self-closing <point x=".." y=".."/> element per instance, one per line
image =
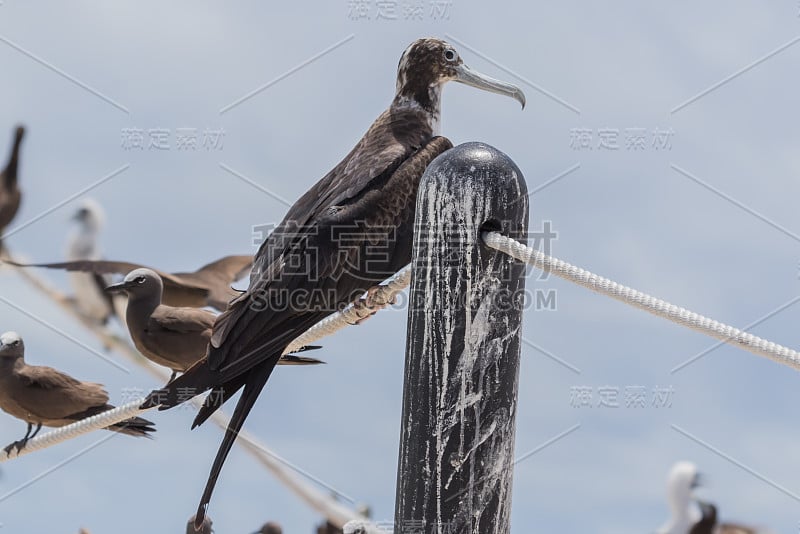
<point x="256" y="379"/>
<point x="218" y="397"/>
<point x="200" y="378"/>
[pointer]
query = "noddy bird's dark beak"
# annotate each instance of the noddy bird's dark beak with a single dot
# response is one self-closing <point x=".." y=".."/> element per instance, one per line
<point x="119" y="287"/>
<point x="475" y="79"/>
<point x="698" y="481"/>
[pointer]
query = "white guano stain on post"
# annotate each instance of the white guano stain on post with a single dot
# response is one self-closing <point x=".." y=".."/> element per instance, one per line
<point x="461" y="456"/>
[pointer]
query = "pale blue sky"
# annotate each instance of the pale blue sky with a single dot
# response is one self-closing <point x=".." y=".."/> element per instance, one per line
<point x="626" y="214"/>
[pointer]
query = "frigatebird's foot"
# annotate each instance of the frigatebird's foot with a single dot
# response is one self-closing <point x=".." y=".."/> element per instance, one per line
<point x="19" y="445"/>
<point x="369" y="304"/>
<point x="377" y="299"/>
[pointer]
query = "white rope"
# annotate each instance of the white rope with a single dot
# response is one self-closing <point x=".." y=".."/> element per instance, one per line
<point x="322" y="502"/>
<point x="643" y="301"/>
<point x="73" y="430"/>
<point x="377" y="298"/>
<point x="380" y="296"/>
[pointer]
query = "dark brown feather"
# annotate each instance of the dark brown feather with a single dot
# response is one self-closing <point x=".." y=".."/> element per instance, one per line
<point x="247" y="351"/>
<point x="10" y="195"/>
<point x="43" y="395"/>
<point x="208" y="286"/>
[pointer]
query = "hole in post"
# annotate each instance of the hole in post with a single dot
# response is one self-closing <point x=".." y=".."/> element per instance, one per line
<point x="491" y="225"/>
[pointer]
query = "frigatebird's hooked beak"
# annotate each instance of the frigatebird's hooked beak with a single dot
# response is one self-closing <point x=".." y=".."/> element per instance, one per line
<point x="475" y="79"/>
<point x="120" y="286"/>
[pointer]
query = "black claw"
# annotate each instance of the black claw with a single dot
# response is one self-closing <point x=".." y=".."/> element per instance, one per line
<point x="19" y="445"/>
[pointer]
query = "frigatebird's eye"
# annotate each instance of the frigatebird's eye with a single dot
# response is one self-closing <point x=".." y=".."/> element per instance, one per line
<point x="450" y="54"/>
<point x="16" y="343"/>
<point x="140" y="279"/>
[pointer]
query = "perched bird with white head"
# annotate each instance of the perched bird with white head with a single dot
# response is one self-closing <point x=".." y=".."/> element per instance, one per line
<point x="350" y="231"/>
<point x="691" y="515"/>
<point x="89" y="288"/>
<point x="682" y="480"/>
<point x="41" y="395"/>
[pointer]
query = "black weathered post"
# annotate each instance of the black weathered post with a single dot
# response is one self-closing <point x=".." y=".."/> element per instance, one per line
<point x="462" y="356"/>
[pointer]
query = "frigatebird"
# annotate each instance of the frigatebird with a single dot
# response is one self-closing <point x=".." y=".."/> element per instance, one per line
<point x="10" y="195"/>
<point x="350" y="231"/>
<point x="210" y="285"/>
<point x="42" y="395"/>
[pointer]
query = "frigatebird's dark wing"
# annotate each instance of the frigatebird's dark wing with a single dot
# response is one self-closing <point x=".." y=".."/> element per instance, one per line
<point x="389" y="171"/>
<point x="253" y="339"/>
<point x="246" y="354"/>
<point x="391" y="139"/>
<point x="339" y="198"/>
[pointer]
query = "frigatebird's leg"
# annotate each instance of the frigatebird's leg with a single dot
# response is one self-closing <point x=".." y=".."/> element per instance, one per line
<point x="369" y="304"/>
<point x="172" y="376"/>
<point x="38" y="428"/>
<point x="20" y="444"/>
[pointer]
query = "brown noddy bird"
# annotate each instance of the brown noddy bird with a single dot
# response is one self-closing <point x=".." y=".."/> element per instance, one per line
<point x="175" y="337"/>
<point x="10" y="195"/>
<point x="42" y="395"/>
<point x="347" y="233"/>
<point x="210" y="285"/>
<point x="205" y="527"/>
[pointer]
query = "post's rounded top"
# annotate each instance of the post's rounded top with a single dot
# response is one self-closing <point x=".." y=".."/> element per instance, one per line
<point x="474" y="159"/>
